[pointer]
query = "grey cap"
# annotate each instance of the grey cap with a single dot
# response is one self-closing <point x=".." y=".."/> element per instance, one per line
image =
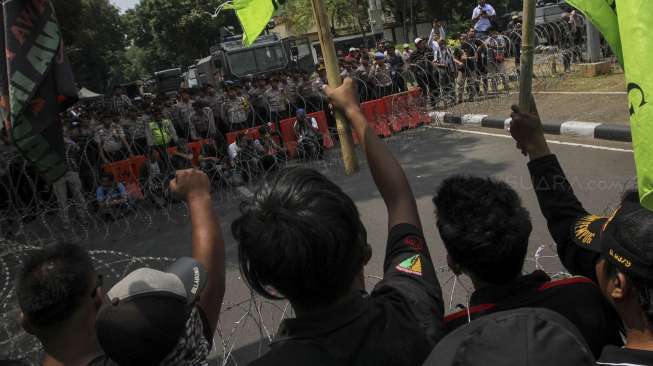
<point x="148" y="310"/>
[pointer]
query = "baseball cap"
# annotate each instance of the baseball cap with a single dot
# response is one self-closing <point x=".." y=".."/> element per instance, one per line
<point x="379" y="56"/>
<point x="147" y="312"/>
<point x="418" y="40"/>
<point x="521" y="337"/>
<point x="406" y="45"/>
<point x="605" y="235"/>
<point x="352" y="49"/>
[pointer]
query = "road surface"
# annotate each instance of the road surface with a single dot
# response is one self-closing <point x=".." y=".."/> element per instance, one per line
<point x="599" y="171"/>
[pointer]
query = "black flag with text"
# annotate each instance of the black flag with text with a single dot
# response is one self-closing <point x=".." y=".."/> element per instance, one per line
<point x="36" y="83"/>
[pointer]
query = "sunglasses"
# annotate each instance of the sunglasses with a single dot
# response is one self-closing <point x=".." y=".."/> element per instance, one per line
<point x="98" y="284"/>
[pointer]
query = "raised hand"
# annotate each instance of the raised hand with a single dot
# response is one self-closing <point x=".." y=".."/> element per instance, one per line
<point x="526" y="129"/>
<point x="191" y="184"/>
<point x="343" y="97"/>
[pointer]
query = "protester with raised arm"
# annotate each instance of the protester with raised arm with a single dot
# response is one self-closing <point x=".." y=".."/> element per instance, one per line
<point x="168" y="317"/>
<point x="301" y="238"/>
<point x="616" y="251"/>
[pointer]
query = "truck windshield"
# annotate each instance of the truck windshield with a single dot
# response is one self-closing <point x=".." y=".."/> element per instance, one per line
<point x="257" y="60"/>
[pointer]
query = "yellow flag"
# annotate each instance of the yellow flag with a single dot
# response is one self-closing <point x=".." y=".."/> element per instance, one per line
<point x="253" y="15"/>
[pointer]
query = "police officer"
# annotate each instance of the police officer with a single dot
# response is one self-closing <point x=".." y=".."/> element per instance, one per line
<point x="381" y="76"/>
<point x="235" y="108"/>
<point x="257" y="99"/>
<point x="160" y="134"/>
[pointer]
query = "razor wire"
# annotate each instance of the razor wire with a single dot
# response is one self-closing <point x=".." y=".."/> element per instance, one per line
<point x="251" y="315"/>
<point x="31" y="215"/>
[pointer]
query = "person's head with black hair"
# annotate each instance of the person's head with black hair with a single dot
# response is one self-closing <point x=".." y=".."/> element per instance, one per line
<point x="198" y="105"/>
<point x="59" y="294"/>
<point x="184" y="95"/>
<point x="154" y="155"/>
<point x="301" y="238"/>
<point x="625" y="268"/>
<point x="107" y="180"/>
<point x="484" y="227"/>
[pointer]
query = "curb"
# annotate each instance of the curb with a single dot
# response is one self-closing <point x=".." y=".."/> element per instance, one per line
<point x="594" y="130"/>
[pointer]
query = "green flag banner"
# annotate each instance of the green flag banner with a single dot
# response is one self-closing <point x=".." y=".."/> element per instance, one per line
<point x="253" y="15"/>
<point x="625" y="25"/>
<point x="603" y="14"/>
<point x="637" y="45"/>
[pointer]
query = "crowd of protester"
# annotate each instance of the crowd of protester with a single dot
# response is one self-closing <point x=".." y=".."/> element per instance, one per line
<point x="301" y="238"/>
<point x="448" y="69"/>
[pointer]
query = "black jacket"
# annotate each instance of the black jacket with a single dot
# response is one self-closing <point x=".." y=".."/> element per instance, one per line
<point x="397" y="324"/>
<point x="577" y="298"/>
<point x="562" y="210"/>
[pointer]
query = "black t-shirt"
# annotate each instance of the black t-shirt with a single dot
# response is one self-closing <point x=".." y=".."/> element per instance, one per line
<point x="576" y="298"/>
<point x="397" y="324"/>
<point x="618" y="356"/>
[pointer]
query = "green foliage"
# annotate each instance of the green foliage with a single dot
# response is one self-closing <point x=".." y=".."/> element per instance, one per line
<point x="351" y="14"/>
<point x="94" y="36"/>
<point x="134" y="64"/>
<point x="172" y="33"/>
<point x="107" y="48"/>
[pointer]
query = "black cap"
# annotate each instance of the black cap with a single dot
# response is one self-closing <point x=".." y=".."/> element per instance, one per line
<point x="522" y="337"/>
<point x="605" y="235"/>
<point x="147" y="312"/>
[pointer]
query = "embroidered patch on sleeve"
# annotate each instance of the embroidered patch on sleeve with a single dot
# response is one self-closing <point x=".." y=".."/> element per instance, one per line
<point x="414" y="243"/>
<point x="412" y="265"/>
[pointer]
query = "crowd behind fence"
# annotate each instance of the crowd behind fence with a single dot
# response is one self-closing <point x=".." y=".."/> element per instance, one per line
<point x="122" y="152"/>
<point x="192" y="127"/>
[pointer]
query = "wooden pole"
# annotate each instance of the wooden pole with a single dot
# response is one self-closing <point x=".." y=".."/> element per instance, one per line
<point x="333" y="76"/>
<point x="526" y="102"/>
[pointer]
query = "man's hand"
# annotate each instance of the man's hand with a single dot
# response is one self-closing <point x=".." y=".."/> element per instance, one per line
<point x="343" y="97"/>
<point x="190" y="184"/>
<point x="527" y="131"/>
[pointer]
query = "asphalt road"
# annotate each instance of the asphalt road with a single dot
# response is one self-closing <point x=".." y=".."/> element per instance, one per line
<point x="429" y="155"/>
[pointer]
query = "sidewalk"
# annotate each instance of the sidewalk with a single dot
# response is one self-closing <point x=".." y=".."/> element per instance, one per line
<point x="603" y="108"/>
<point x="571" y="98"/>
<point x="596" y="130"/>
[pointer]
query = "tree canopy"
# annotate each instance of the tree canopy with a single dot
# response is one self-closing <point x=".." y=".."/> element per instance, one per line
<point x="94" y="35"/>
<point x="107" y="48"/>
<point x="352" y="14"/>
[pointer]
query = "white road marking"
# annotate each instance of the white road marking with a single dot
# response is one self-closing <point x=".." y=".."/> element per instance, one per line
<point x="555" y="142"/>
